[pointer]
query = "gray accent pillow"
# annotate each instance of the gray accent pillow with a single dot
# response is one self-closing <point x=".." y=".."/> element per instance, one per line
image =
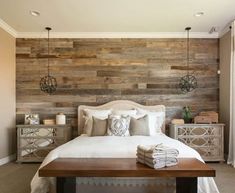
<point x="118" y="125"/>
<point x="139" y="126"/>
<point x="99" y="127"/>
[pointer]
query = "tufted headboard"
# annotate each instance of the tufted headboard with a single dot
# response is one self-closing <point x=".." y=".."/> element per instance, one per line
<point x="117" y="105"/>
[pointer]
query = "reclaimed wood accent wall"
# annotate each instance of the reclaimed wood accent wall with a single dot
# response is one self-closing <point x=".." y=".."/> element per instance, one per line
<point x="96" y="71"/>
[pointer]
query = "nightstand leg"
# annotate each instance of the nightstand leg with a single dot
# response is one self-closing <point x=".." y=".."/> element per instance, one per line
<point x="187" y="185"/>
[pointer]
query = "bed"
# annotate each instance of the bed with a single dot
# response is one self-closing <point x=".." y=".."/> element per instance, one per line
<point x="85" y="146"/>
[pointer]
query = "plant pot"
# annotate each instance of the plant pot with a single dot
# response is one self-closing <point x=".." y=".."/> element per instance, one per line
<point x="188" y="120"/>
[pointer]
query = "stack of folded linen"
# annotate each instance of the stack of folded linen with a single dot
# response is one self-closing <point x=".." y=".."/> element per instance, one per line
<point x="157" y="156"/>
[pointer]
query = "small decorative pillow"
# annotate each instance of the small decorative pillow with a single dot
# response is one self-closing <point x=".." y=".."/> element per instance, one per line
<point x="139" y="126"/>
<point x="99" y="127"/>
<point x="89" y="113"/>
<point x="118" y="125"/>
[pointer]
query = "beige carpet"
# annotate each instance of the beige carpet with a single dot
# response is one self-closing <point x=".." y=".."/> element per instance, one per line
<point x="225" y="177"/>
<point x="15" y="178"/>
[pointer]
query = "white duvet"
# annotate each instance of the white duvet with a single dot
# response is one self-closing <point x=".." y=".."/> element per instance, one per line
<point x="115" y="147"/>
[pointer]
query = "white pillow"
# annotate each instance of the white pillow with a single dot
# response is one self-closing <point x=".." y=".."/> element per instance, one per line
<point x="156" y="120"/>
<point x="89" y="113"/>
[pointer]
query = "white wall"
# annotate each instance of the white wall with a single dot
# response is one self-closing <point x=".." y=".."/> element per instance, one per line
<point x="7" y="95"/>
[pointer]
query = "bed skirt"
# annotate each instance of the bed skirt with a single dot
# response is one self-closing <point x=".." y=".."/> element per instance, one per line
<point x="125" y="185"/>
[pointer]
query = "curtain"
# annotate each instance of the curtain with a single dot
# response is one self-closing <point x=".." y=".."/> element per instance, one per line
<point x="231" y="155"/>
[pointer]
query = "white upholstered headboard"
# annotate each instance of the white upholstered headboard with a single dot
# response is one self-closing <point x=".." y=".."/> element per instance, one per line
<point x="117" y="105"/>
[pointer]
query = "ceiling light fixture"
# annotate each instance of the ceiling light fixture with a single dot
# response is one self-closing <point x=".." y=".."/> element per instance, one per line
<point x="199" y="14"/>
<point x="35" y="13"/>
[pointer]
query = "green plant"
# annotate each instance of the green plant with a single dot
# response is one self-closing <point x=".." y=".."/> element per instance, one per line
<point x="187" y="115"/>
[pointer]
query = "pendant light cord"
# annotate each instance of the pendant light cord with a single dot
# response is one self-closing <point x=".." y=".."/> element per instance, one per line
<point x="188" y="52"/>
<point x="187" y="29"/>
<point x="48" y="46"/>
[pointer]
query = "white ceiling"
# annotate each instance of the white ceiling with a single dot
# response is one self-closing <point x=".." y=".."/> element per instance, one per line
<point x="117" y="16"/>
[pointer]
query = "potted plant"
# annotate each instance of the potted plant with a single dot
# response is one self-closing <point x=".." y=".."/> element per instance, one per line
<point x="187" y="115"/>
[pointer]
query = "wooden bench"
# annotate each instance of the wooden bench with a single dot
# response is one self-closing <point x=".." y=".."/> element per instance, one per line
<point x="67" y="169"/>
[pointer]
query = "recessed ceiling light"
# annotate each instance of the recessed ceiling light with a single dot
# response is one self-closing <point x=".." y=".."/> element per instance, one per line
<point x="35" y="13"/>
<point x="199" y="14"/>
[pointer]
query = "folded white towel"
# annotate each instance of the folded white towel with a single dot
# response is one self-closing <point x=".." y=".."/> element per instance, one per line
<point x="157" y="156"/>
<point x="144" y="156"/>
<point x="158" y="162"/>
<point x="154" y="155"/>
<point x="155" y="150"/>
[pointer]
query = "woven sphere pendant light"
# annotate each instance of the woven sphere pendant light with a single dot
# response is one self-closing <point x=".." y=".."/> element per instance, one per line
<point x="48" y="83"/>
<point x="188" y="82"/>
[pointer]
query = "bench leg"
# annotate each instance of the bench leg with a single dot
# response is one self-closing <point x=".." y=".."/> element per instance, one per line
<point x="188" y="185"/>
<point x="65" y="185"/>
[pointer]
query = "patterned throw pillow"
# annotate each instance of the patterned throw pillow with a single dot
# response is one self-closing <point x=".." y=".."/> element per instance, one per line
<point x="118" y="125"/>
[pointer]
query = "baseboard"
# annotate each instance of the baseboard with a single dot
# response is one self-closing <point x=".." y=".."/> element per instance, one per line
<point x="7" y="159"/>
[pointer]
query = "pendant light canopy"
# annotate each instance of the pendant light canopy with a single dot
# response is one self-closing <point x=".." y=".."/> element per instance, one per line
<point x="188" y="82"/>
<point x="48" y="83"/>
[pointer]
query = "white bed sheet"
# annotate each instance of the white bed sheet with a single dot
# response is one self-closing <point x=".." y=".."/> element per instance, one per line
<point x="115" y="147"/>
